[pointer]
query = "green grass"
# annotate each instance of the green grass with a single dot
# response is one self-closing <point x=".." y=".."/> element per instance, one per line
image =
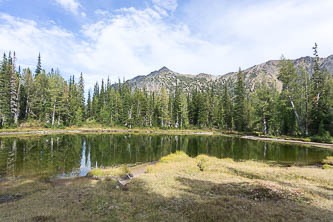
<point x="114" y="171"/>
<point x="328" y="160"/>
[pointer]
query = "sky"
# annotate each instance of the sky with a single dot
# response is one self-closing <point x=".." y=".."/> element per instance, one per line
<point x="121" y="39"/>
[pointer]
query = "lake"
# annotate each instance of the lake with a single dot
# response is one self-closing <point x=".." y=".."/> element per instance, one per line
<point x="75" y="155"/>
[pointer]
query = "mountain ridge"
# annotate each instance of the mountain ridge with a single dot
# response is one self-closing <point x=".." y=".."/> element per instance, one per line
<point x="164" y="77"/>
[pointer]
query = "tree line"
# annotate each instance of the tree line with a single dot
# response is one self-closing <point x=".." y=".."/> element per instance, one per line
<point x="303" y="107"/>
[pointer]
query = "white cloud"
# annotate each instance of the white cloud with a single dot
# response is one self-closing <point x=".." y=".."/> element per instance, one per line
<point x="215" y="38"/>
<point x="28" y="38"/>
<point x="72" y="6"/>
<point x="166" y="4"/>
<point x="139" y="41"/>
<point x="263" y="30"/>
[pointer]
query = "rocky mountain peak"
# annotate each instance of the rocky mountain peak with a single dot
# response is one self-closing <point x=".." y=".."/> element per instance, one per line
<point x="164" y="69"/>
<point x="254" y="75"/>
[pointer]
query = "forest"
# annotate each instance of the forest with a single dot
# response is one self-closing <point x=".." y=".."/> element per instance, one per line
<point x="304" y="106"/>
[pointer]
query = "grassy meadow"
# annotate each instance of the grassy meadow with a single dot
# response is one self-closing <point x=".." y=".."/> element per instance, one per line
<point x="177" y="188"/>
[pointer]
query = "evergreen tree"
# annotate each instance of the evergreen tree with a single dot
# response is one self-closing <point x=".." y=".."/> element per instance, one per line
<point x="319" y="95"/>
<point x="183" y="111"/>
<point x="81" y="95"/>
<point x="5" y="114"/>
<point x="227" y="108"/>
<point x="38" y="66"/>
<point x="163" y="107"/>
<point x="88" y="112"/>
<point x="239" y="103"/>
<point x="290" y="94"/>
<point x="264" y="99"/>
<point x="15" y="86"/>
<point x="202" y="109"/>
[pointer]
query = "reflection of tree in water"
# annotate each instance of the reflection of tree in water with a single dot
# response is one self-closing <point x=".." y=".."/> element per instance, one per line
<point x="76" y="154"/>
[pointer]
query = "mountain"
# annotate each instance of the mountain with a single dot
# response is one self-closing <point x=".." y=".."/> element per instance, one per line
<point x="253" y="75"/>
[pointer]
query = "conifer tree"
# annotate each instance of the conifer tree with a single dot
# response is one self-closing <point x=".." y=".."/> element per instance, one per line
<point x="239" y="103"/>
<point x="164" y="108"/>
<point x="183" y="111"/>
<point x="264" y="105"/>
<point x="319" y="95"/>
<point x="15" y="86"/>
<point x="28" y="91"/>
<point x="5" y="115"/>
<point x="227" y="108"/>
<point x="81" y="95"/>
<point x="288" y="77"/>
<point x="88" y="112"/>
<point x="38" y="66"/>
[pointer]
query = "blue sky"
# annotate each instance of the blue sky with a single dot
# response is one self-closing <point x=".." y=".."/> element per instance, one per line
<point x="125" y="38"/>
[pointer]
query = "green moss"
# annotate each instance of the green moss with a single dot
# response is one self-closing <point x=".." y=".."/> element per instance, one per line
<point x="327" y="167"/>
<point x="328" y="160"/>
<point x="174" y="157"/>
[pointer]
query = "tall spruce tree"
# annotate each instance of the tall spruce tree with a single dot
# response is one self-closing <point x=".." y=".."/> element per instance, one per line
<point x="239" y="103"/>
<point x="227" y="108"/>
<point x="319" y="95"/>
<point x="38" y="66"/>
<point x="290" y="94"/>
<point x="15" y="86"/>
<point x="88" y="112"/>
<point x="264" y="99"/>
<point x="5" y="115"/>
<point x="81" y="95"/>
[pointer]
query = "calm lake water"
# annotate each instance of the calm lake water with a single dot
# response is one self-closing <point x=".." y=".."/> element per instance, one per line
<point x="75" y="155"/>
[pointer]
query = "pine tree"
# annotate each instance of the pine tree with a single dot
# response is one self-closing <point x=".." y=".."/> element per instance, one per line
<point x="176" y="108"/>
<point x="40" y="103"/>
<point x="183" y="111"/>
<point x="15" y="86"/>
<point x="202" y="109"/>
<point x="319" y="95"/>
<point x="88" y="112"/>
<point x="81" y="95"/>
<point x="94" y="107"/>
<point x="28" y="91"/>
<point x="239" y="103"/>
<point x="5" y="115"/>
<point x="164" y="108"/>
<point x="56" y="92"/>
<point x="227" y="108"/>
<point x="290" y="94"/>
<point x="38" y="67"/>
<point x="264" y="105"/>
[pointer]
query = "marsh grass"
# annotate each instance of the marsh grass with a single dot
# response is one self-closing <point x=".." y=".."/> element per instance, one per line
<point x="175" y="189"/>
<point x="328" y="160"/>
<point x="113" y="172"/>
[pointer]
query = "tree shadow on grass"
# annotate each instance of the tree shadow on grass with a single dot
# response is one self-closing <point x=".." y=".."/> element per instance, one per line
<point x="246" y="202"/>
<point x="187" y="200"/>
<point x="198" y="200"/>
<point x="250" y="175"/>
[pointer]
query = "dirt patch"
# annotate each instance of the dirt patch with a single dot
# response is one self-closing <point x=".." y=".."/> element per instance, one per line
<point x="43" y="218"/>
<point x="9" y="198"/>
<point x="262" y="194"/>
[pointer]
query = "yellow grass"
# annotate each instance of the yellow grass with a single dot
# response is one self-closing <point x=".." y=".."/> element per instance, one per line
<point x="178" y="189"/>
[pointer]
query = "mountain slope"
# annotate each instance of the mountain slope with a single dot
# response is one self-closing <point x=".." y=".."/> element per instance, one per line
<point x="253" y="75"/>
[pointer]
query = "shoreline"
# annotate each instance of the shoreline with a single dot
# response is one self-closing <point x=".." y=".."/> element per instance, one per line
<point x="37" y="132"/>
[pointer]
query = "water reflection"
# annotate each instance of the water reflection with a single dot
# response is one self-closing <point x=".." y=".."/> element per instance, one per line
<point x="75" y="155"/>
<point x="85" y="165"/>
